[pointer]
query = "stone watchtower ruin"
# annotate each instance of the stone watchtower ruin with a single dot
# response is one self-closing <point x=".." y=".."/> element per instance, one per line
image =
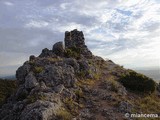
<point x="76" y="39"/>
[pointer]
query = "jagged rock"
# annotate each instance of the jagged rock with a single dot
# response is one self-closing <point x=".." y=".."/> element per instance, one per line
<point x="30" y="81"/>
<point x="125" y="107"/>
<point x="32" y="58"/>
<point x="74" y="39"/>
<point x="22" y="72"/>
<point x="46" y="53"/>
<point x="21" y="93"/>
<point x="59" y="88"/>
<point x="158" y="87"/>
<point x="40" y="110"/>
<point x="85" y="113"/>
<point x="58" y="48"/>
<point x="73" y="63"/>
<point x="86" y="69"/>
<point x="54" y="75"/>
<point x="122" y="90"/>
<point x="53" y="81"/>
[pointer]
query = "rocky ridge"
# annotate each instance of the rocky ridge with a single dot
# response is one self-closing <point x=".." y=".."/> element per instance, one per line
<point x="68" y="83"/>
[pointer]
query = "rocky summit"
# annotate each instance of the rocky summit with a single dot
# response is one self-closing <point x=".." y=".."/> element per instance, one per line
<point x="70" y="83"/>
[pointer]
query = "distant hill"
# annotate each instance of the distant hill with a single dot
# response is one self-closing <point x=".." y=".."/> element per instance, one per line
<point x="10" y="77"/>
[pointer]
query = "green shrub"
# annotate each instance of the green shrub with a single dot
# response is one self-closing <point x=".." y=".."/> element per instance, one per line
<point x="7" y="87"/>
<point x="32" y="63"/>
<point x="38" y="69"/>
<point x="33" y="98"/>
<point x="138" y="82"/>
<point x="64" y="115"/>
<point x="114" y="85"/>
<point x="75" y="49"/>
<point x="73" y="52"/>
<point x="79" y="93"/>
<point x="81" y="74"/>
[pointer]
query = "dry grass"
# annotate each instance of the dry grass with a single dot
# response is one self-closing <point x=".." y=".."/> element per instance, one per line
<point x="63" y="114"/>
<point x="38" y="69"/>
<point x="81" y="83"/>
<point x="149" y="104"/>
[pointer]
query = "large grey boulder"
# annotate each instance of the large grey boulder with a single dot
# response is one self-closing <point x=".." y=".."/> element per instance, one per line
<point x="58" y="48"/>
<point x="30" y="81"/>
<point x="46" y="53"/>
<point x="22" y="72"/>
<point x="125" y="107"/>
<point x="72" y="62"/>
<point x="40" y="110"/>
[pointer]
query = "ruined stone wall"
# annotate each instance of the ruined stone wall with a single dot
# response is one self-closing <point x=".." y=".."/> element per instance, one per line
<point x="76" y="39"/>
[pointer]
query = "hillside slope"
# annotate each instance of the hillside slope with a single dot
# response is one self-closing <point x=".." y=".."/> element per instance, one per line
<point x="70" y="83"/>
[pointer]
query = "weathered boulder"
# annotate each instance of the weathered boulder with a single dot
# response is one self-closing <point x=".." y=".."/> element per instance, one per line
<point x="125" y="107"/>
<point x="46" y="53"/>
<point x="22" y="72"/>
<point x="58" y="48"/>
<point x="72" y="62"/>
<point x="21" y="93"/>
<point x="61" y="73"/>
<point x="59" y="88"/>
<point x="30" y="81"/>
<point x="40" y="110"/>
<point x="32" y="58"/>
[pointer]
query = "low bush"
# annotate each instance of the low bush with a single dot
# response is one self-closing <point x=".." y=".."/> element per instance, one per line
<point x="64" y="115"/>
<point x="73" y="52"/>
<point x="38" y="69"/>
<point x="33" y="98"/>
<point x="7" y="87"/>
<point x="138" y="82"/>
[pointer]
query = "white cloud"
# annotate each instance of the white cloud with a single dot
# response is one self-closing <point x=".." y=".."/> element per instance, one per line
<point x="36" y="24"/>
<point x="64" y="5"/>
<point x="126" y="31"/>
<point x="8" y="3"/>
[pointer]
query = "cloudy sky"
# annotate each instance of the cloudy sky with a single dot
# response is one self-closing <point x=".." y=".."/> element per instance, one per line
<point x="125" y="31"/>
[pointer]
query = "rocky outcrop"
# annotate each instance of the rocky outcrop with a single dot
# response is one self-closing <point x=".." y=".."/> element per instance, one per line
<point x="75" y="39"/>
<point x="58" y="48"/>
<point x="67" y="83"/>
<point x="46" y="81"/>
